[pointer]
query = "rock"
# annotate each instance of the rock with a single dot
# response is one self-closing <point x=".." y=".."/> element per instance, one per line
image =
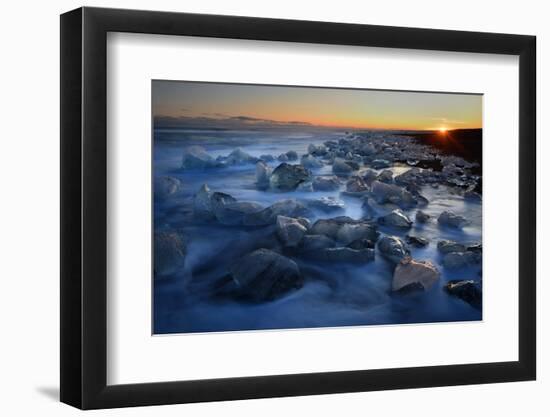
<point x="448" y="218"/>
<point x="386" y="176"/>
<point x="348" y="233"/>
<point x="369" y="211"/>
<point x="422" y="217"/>
<point x="195" y="157"/>
<point x="393" y="248"/>
<point x="356" y="185"/>
<point x="458" y="181"/>
<point x="476" y="248"/>
<point x="421" y="200"/>
<point x="329" y="227"/>
<point x="368" y="149"/>
<point x="411" y="288"/>
<point x="263" y="173"/>
<point x="317" y="150"/>
<point x="348" y="255"/>
<point x="264" y="275"/>
<point x="316" y="243"/>
<point x="448" y="246"/>
<point x="287" y="177"/>
<point x="384" y="193"/>
<point x="467" y="290"/>
<point x="452" y="170"/>
<point x="361" y="244"/>
<point x="380" y="164"/>
<point x="305" y="187"/>
<point x="354" y="164"/>
<point x="452" y="161"/>
<point x="208" y="205"/>
<point x="219" y="200"/>
<point x="234" y="213"/>
<point x="326" y="204"/>
<point x="238" y="157"/>
<point x="416" y="241"/>
<point x="345" y="229"/>
<point x="455" y="260"/>
<point x="409" y="271"/>
<point x="413" y="187"/>
<point x="170" y="251"/>
<point x="283" y="157"/>
<point x="292" y="155"/>
<point x="326" y="184"/>
<point x="288" y="208"/>
<point x="290" y="230"/>
<point x="202" y="206"/>
<point x="369" y="176"/>
<point x="310" y="161"/>
<point x="412" y="177"/>
<point x="396" y="219"/>
<point x="340" y="166"/>
<point x="267" y="158"/>
<point x="166" y="186"/>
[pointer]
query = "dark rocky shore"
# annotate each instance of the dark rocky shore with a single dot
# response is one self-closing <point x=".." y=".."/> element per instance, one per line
<point x="466" y="143"/>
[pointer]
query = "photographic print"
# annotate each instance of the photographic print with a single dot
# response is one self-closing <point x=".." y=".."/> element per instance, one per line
<point x="292" y="207"/>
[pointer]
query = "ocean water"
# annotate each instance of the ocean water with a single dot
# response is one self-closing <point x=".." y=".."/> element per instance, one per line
<point x="334" y="294"/>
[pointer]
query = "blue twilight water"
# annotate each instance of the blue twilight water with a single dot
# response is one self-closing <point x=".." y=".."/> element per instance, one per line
<point x="333" y="294"/>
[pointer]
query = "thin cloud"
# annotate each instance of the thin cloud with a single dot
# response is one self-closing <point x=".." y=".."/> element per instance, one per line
<point x="249" y="119"/>
<point x="215" y="114"/>
<point x="221" y="121"/>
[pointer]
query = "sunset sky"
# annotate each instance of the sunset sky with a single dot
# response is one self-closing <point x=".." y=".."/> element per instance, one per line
<point x="196" y="104"/>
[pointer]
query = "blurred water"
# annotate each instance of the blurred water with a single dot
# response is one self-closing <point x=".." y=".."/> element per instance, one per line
<point x="333" y="294"/>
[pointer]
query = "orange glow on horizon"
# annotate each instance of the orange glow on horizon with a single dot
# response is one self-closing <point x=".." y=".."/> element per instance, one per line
<point x="249" y="104"/>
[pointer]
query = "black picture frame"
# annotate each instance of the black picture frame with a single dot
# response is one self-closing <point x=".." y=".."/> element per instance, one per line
<point x="84" y="207"/>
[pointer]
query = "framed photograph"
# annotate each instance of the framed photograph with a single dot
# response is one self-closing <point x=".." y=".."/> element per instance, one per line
<point x="258" y="208"/>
